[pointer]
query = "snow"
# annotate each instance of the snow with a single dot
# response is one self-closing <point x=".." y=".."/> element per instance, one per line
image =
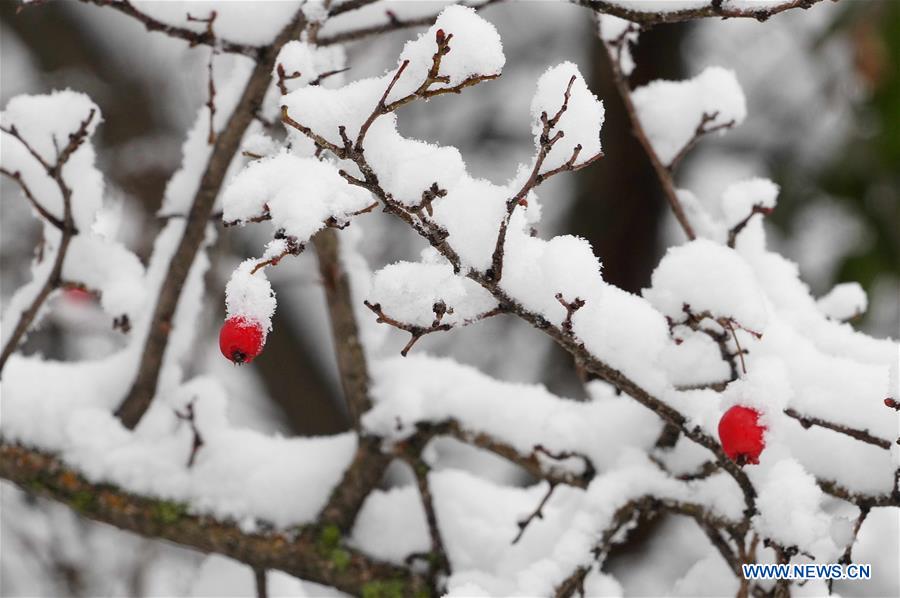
<point x="299" y="194"/>
<point x="230" y="74"/>
<point x="471" y="213"/>
<point x="671" y="111"/>
<point x="790" y="511"/>
<point x="707" y="277"/>
<point x="239" y="22"/>
<point x="408" y="167"/>
<point x="40" y="119"/>
<point x="249" y="294"/>
<point x="740" y="198"/>
<point x="844" y="302"/>
<point x="581" y="122"/>
<point x="475" y="50"/>
<point x="392" y="524"/>
<point x="106" y="266"/>
<point x="414" y="389"/>
<point x="807" y="358"/>
<point x="408" y="292"/>
<point x="309" y="61"/>
<point x="611" y="30"/>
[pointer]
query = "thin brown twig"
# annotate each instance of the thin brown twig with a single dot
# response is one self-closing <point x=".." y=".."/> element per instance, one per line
<point x="808" y="421"/>
<point x="546" y="142"/>
<point x="662" y="172"/>
<point x="38" y="207"/>
<point x="189" y="416"/>
<point x="537" y="513"/>
<point x="193" y="38"/>
<point x="735" y="230"/>
<point x="68" y="230"/>
<point x="416" y="331"/>
<point x="702" y="129"/>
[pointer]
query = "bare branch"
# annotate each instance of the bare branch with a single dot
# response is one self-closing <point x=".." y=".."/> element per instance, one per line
<point x="862" y="435"/>
<point x="68" y="230"/>
<point x="392" y="23"/>
<point x="662" y="172"/>
<point x="735" y="230"/>
<point x="537" y="177"/>
<point x="538" y="513"/>
<point x="714" y="8"/>
<point x="40" y="209"/>
<point x="188" y="416"/>
<point x="193" y="38"/>
<point x="702" y="129"/>
<point x="416" y="332"/>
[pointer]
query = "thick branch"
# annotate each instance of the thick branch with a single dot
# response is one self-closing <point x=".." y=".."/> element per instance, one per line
<point x="300" y="554"/>
<point x="345" y="333"/>
<point x="144" y="387"/>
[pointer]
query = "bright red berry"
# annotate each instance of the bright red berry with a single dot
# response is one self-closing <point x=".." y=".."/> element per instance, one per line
<point x="741" y="435"/>
<point x="241" y="340"/>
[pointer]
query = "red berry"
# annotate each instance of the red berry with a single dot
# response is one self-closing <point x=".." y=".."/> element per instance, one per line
<point x="241" y="340"/>
<point x="741" y="435"/>
<point x="78" y="295"/>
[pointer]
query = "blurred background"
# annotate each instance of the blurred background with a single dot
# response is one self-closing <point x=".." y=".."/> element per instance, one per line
<point x="823" y="95"/>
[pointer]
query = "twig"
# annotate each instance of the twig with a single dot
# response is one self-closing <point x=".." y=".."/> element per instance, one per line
<point x="538" y="513"/>
<point x="662" y="172"/>
<point x="194" y="38"/>
<point x="571" y="308"/>
<point x="283" y="78"/>
<point x="291" y="247"/>
<point x="68" y="229"/>
<point x="711" y="9"/>
<point x="416" y="332"/>
<point x="862" y="435"/>
<point x="438" y="239"/>
<point x="438" y="563"/>
<point x="188" y="415"/>
<point x="735" y="230"/>
<point x="546" y="141"/>
<point x="701" y="130"/>
<point x="40" y="209"/>
<point x="393" y="23"/>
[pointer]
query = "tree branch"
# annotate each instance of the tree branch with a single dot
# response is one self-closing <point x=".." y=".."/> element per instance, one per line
<point x="862" y="435"/>
<point x="662" y="171"/>
<point x="143" y="388"/>
<point x="193" y="38"/>
<point x="714" y="8"/>
<point x="300" y="554"/>
<point x="68" y="229"/>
